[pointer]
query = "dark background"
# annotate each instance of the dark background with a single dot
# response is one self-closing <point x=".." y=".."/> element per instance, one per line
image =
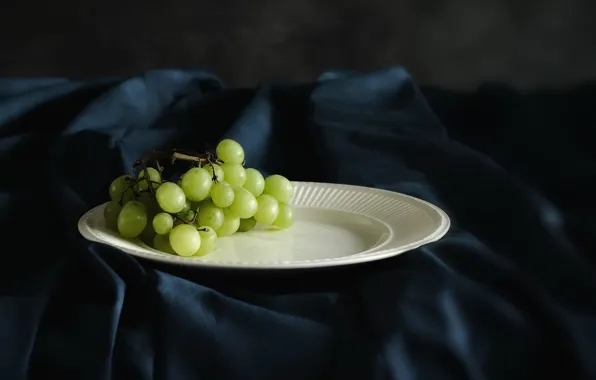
<point x="456" y="44"/>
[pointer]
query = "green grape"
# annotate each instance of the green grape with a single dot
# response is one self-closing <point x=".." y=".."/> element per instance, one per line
<point x="285" y="219"/>
<point x="121" y="189"/>
<point x="187" y="216"/>
<point x="210" y="215"/>
<point x="188" y="206"/>
<point x="219" y="174"/>
<point x="154" y="176"/>
<point x="222" y="194"/>
<point x="234" y="173"/>
<point x="230" y="225"/>
<point x="196" y="184"/>
<point x="245" y="204"/>
<point x="132" y="219"/>
<point x="162" y="243"/>
<point x="208" y="238"/>
<point x="229" y="151"/>
<point x="170" y="197"/>
<point x="197" y="205"/>
<point x="148" y="234"/>
<point x="255" y="183"/>
<point x="150" y="204"/>
<point x="247" y="224"/>
<point x="279" y="187"/>
<point x="151" y="209"/>
<point x="185" y="240"/>
<point x="110" y="214"/>
<point x="268" y="209"/>
<point x="163" y="223"/>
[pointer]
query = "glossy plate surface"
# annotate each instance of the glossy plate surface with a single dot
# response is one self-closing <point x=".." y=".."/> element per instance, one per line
<point x="334" y="225"/>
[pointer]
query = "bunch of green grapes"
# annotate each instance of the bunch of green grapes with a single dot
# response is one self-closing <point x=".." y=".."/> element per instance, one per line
<point x="219" y="197"/>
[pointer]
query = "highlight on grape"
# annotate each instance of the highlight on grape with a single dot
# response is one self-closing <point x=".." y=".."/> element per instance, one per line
<point x="216" y="196"/>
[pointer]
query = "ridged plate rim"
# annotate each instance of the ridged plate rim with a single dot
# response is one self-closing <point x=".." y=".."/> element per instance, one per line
<point x="443" y="224"/>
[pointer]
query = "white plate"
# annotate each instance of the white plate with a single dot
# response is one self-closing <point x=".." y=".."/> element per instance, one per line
<point x="334" y="225"/>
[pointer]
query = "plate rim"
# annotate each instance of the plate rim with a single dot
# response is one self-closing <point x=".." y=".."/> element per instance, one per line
<point x="358" y="258"/>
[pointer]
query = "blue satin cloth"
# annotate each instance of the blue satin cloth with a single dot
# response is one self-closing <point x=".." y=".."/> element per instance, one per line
<point x="509" y="293"/>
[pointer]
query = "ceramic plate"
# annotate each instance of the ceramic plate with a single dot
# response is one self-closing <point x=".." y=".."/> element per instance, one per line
<point x="334" y="225"/>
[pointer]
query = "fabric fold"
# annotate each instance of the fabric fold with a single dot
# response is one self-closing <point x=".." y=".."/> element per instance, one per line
<point x="507" y="294"/>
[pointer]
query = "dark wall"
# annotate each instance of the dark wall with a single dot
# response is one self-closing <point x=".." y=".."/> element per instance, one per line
<point x="456" y="43"/>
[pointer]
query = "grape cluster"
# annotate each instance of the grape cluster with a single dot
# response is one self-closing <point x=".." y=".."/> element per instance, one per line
<point x="214" y="198"/>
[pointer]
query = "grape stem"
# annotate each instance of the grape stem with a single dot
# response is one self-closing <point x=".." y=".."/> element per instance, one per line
<point x="148" y="181"/>
<point x="191" y="221"/>
<point x="173" y="156"/>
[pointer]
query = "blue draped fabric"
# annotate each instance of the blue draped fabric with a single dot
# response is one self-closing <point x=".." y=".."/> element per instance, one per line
<point x="509" y="293"/>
